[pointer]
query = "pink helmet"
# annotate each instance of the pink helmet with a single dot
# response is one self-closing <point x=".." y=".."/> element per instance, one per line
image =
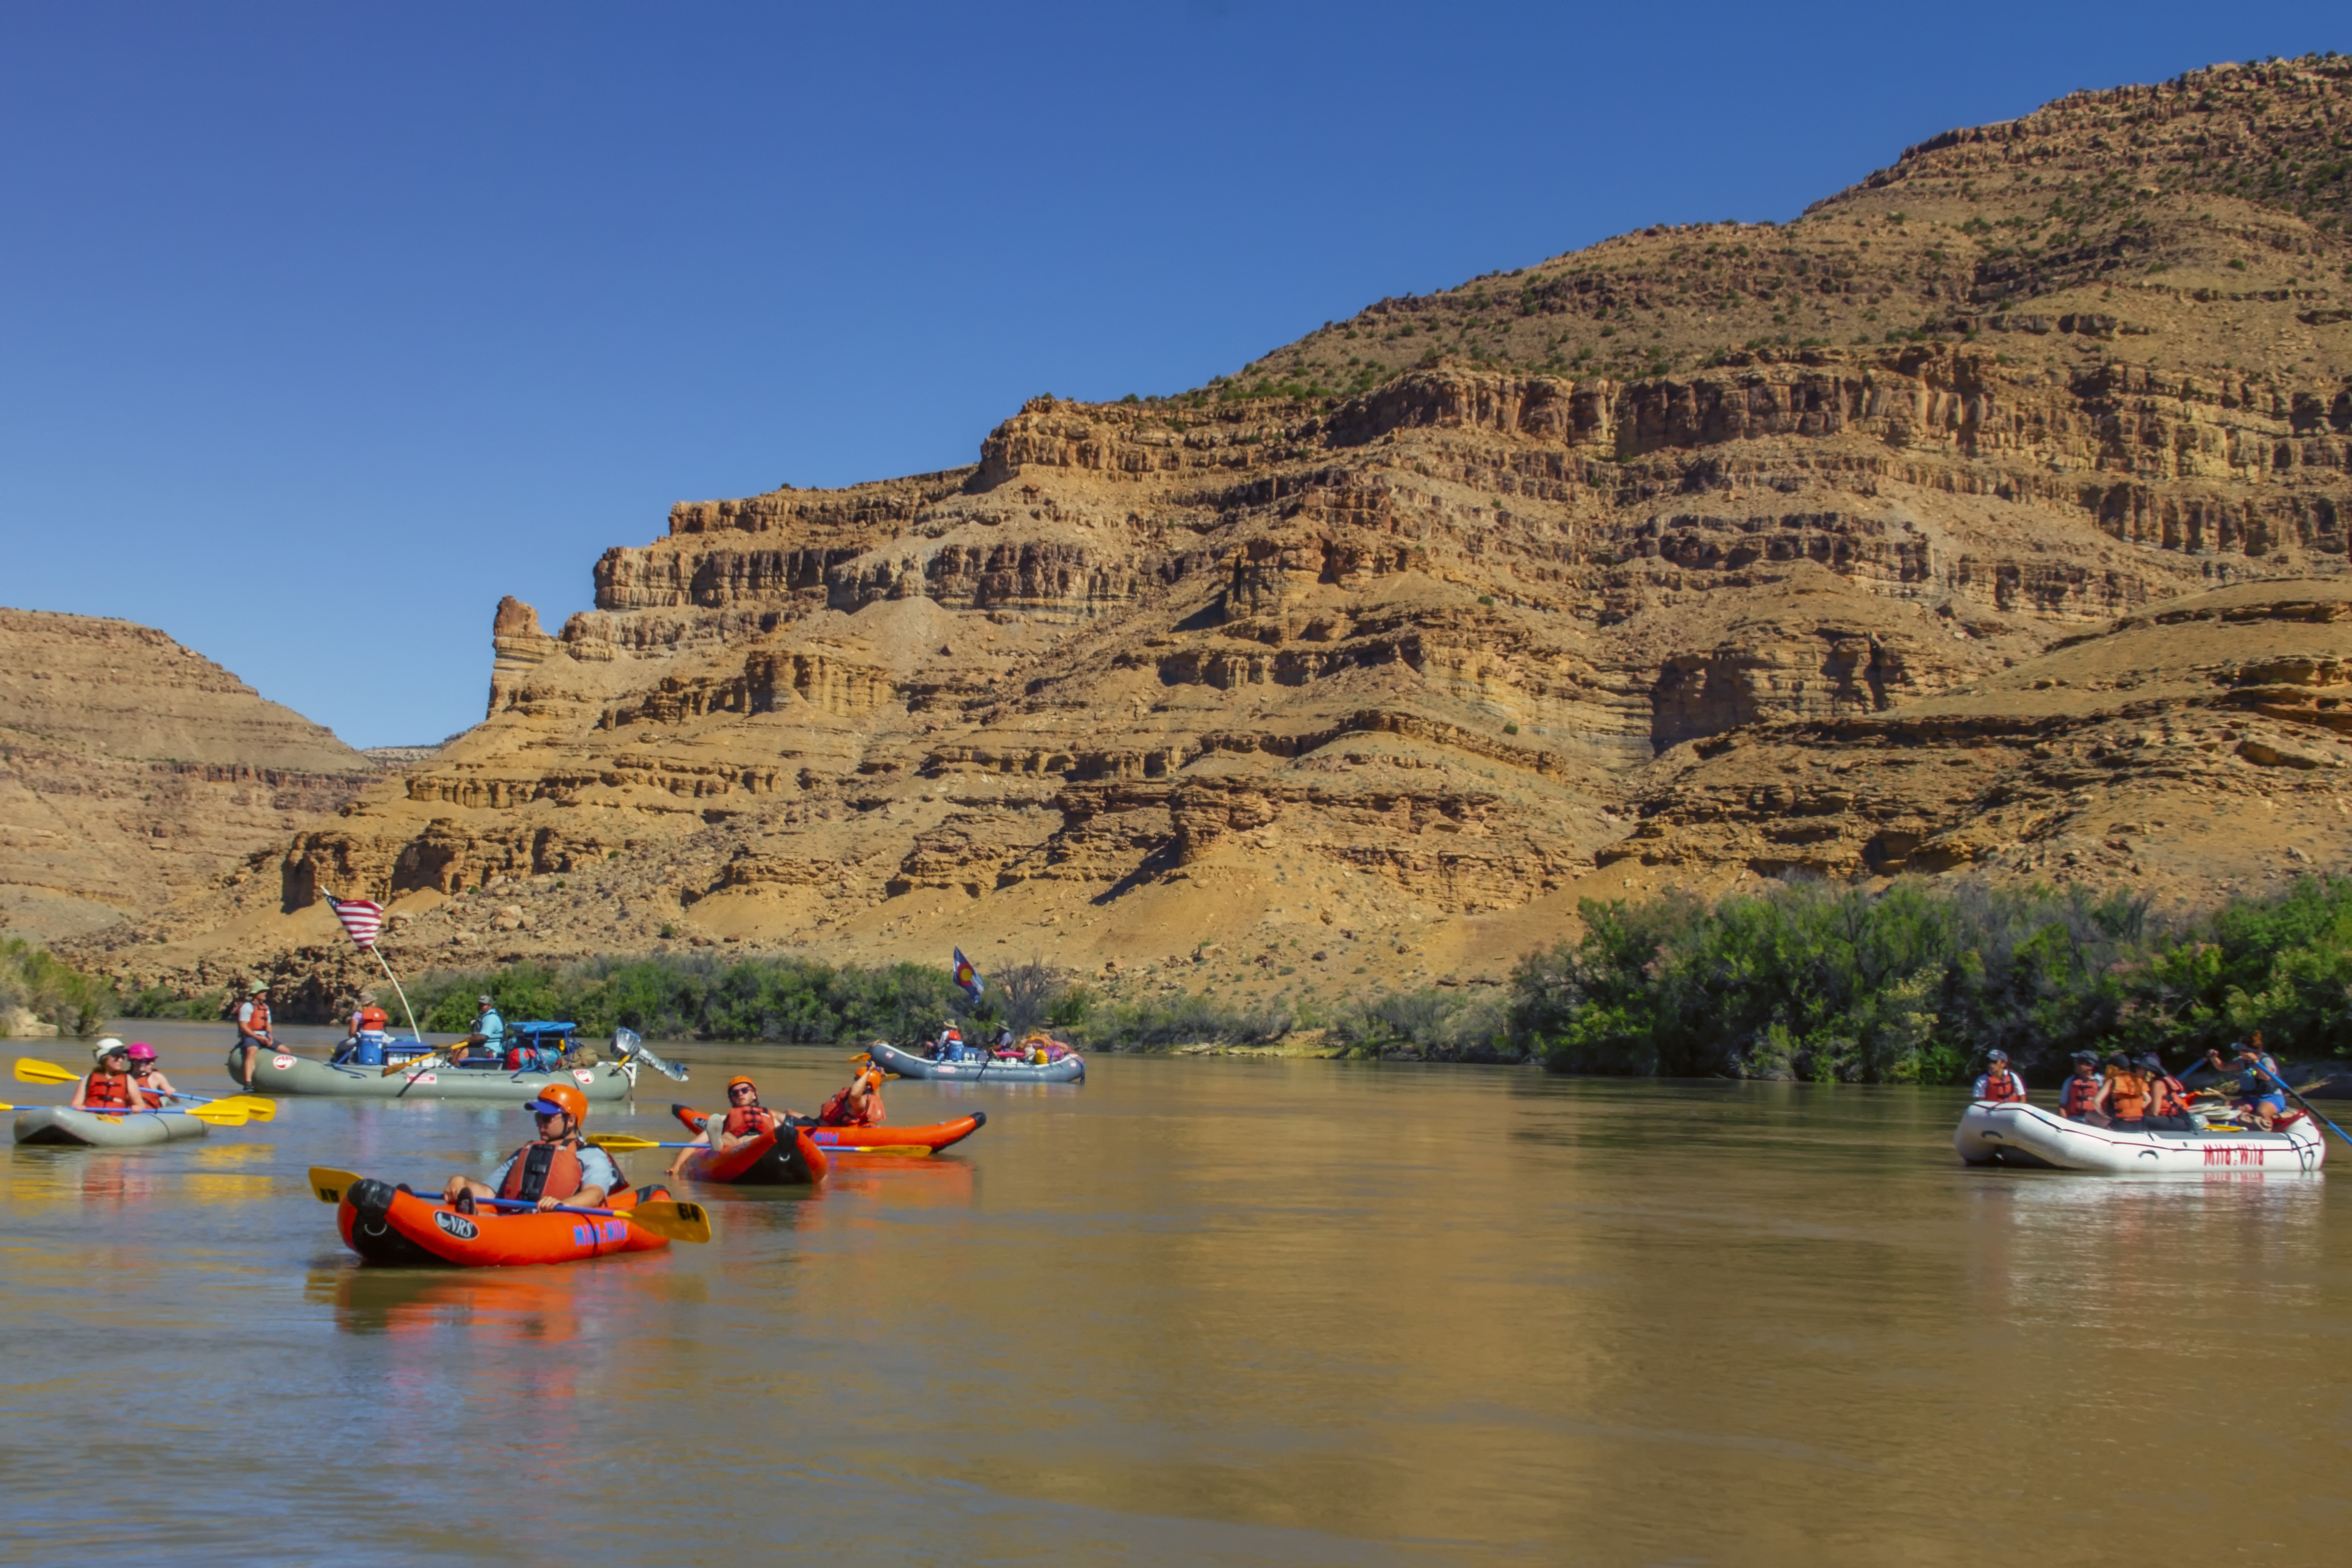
<point x="141" y="1051"/>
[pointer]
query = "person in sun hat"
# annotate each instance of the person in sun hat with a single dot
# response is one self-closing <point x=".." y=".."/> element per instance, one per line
<point x="556" y="1167"/>
<point x="153" y="1087"/>
<point x="109" y="1086"/>
<point x="746" y="1118"/>
<point x="253" y="1036"/>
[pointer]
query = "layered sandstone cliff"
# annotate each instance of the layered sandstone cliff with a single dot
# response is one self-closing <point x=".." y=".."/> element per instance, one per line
<point x="133" y="770"/>
<point x="1706" y="553"/>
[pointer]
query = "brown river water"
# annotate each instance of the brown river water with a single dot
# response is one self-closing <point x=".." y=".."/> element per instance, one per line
<point x="1200" y="1310"/>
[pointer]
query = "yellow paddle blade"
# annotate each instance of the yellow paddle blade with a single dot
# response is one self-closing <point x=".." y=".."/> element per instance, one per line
<point x="216" y="1115"/>
<point x="621" y="1141"/>
<point x="675" y="1222"/>
<point x="329" y="1184"/>
<point x="253" y="1106"/>
<point x="30" y="1071"/>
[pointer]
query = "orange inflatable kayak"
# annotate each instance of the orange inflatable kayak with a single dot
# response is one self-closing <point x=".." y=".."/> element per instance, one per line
<point x="787" y="1157"/>
<point x="391" y="1225"/>
<point x="899" y="1140"/>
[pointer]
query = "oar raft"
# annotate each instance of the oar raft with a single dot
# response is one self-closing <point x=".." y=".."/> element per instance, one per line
<point x="100" y="1130"/>
<point x="1071" y="1068"/>
<point x="280" y="1073"/>
<point x="1997" y="1134"/>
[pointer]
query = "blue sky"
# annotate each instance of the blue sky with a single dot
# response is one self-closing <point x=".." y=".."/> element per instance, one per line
<point x="336" y="319"/>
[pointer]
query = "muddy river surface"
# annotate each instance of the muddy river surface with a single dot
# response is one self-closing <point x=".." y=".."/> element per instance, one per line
<point x="1194" y="1311"/>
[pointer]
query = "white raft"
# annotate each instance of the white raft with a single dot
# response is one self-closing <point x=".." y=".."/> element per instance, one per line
<point x="1992" y="1132"/>
<point x="62" y="1124"/>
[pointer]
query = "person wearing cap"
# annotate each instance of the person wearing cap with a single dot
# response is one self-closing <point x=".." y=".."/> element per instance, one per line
<point x="1997" y="1083"/>
<point x="109" y="1086"/>
<point x="489" y="1035"/>
<point x="2264" y="1085"/>
<point x="2167" y="1106"/>
<point x="153" y="1086"/>
<point x="2126" y="1098"/>
<point x="2080" y="1102"/>
<point x="746" y="1118"/>
<point x="253" y="1036"/>
<point x="859" y="1104"/>
<point x="554" y="1168"/>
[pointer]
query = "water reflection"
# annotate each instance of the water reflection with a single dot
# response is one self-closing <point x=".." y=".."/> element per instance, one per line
<point x="1235" y="1312"/>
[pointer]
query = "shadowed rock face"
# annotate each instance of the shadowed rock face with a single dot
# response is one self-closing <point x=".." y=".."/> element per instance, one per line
<point x="132" y="771"/>
<point x="1706" y="553"/>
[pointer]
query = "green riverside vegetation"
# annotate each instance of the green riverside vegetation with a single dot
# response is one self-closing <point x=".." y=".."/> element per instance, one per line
<point x="1915" y="984"/>
<point x="1909" y="984"/>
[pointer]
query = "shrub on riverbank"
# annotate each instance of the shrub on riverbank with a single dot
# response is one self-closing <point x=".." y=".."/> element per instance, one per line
<point x="34" y="980"/>
<point x="1917" y="983"/>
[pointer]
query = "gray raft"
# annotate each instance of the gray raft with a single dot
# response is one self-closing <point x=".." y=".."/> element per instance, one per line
<point x="1071" y="1068"/>
<point x="278" y="1073"/>
<point x="59" y="1124"/>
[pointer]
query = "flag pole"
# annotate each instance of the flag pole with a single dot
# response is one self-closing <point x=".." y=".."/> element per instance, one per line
<point x="414" y="1033"/>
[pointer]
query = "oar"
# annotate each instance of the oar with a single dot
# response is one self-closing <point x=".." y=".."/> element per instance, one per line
<point x="211" y="1115"/>
<point x="2300" y="1101"/>
<point x="625" y="1142"/>
<point x="30" y="1070"/>
<point x="670" y="1221"/>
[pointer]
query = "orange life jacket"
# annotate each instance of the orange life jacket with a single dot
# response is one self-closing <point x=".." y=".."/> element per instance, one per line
<point x="839" y="1112"/>
<point x="257" y="1026"/>
<point x="2168" y="1095"/>
<point x="2082" y="1095"/>
<point x="748" y="1122"/>
<point x="2127" y="1096"/>
<point x="543" y="1169"/>
<point x="2003" y="1085"/>
<point x="154" y="1097"/>
<point x="105" y="1091"/>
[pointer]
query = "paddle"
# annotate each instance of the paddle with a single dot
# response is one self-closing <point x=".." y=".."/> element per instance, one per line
<point x="29" y="1070"/>
<point x="211" y="1115"/>
<point x="670" y="1221"/>
<point x="2300" y="1101"/>
<point x="621" y="1142"/>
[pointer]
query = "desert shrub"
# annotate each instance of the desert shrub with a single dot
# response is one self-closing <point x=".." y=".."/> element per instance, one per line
<point x="1430" y="1023"/>
<point x="41" y="983"/>
<point x="1917" y="983"/>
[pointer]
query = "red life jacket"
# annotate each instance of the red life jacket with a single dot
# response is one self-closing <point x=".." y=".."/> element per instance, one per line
<point x="839" y="1112"/>
<point x="544" y="1170"/>
<point x="2082" y="1094"/>
<point x="154" y="1097"/>
<point x="2169" y="1099"/>
<point x="101" y="1091"/>
<point x="2003" y="1085"/>
<point x="748" y="1122"/>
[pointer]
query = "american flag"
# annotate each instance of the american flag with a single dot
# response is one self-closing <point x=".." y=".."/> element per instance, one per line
<point x="363" y="918"/>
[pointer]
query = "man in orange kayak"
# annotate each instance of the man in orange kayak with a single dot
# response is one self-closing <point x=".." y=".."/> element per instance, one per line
<point x="859" y="1104"/>
<point x="746" y="1118"/>
<point x="554" y="1168"/>
<point x="109" y="1086"/>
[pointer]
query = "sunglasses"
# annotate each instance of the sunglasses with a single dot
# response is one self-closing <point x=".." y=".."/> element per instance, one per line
<point x="740" y="1089"/>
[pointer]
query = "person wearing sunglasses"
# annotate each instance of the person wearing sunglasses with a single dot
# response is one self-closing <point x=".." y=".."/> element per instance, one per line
<point x="746" y="1118"/>
<point x="110" y="1086"/>
<point x="554" y="1168"/>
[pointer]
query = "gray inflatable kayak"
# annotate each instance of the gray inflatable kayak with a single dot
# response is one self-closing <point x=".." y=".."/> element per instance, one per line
<point x="279" y="1073"/>
<point x="906" y="1064"/>
<point x="57" y="1124"/>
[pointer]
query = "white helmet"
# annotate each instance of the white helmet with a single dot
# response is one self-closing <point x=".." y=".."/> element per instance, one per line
<point x="107" y="1047"/>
